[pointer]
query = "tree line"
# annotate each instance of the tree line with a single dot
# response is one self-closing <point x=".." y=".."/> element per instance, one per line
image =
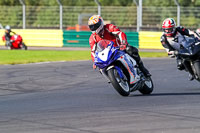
<point x="103" y="2"/>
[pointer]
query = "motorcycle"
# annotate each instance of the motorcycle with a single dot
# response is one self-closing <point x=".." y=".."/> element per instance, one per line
<point x="190" y="54"/>
<point x="121" y="70"/>
<point x="16" y="42"/>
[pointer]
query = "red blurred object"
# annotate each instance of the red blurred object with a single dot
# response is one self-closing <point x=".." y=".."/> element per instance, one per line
<point x="16" y="42"/>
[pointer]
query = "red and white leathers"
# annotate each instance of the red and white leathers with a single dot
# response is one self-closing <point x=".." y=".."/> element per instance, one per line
<point x="112" y="33"/>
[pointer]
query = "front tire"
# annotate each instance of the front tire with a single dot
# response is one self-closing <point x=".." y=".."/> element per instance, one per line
<point x="197" y="69"/>
<point x="120" y="85"/>
<point x="148" y="86"/>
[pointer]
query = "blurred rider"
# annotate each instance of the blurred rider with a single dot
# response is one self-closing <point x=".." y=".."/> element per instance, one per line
<point x="112" y="33"/>
<point x="170" y="41"/>
<point x="7" y="35"/>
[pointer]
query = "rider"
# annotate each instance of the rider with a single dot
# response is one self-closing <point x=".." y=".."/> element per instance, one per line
<point x="169" y="39"/>
<point x="7" y="35"/>
<point x="113" y="33"/>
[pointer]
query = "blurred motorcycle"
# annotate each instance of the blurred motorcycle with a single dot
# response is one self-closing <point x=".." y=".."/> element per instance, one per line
<point x="16" y="42"/>
<point x="120" y="69"/>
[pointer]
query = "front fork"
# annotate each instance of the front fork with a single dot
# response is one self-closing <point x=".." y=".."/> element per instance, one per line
<point x="194" y="70"/>
<point x="105" y="74"/>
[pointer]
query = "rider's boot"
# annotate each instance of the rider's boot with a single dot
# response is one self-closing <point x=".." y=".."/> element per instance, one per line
<point x="191" y="77"/>
<point x="143" y="69"/>
<point x="133" y="52"/>
<point x="189" y="69"/>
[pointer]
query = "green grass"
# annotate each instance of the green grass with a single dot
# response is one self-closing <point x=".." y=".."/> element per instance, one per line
<point x="153" y="54"/>
<point x="33" y="56"/>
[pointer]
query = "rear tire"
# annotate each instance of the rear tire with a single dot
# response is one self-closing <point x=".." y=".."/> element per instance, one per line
<point x="120" y="85"/>
<point x="24" y="47"/>
<point x="148" y="87"/>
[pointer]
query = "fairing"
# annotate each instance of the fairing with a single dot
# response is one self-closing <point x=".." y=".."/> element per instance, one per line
<point x="106" y="54"/>
<point x="190" y="47"/>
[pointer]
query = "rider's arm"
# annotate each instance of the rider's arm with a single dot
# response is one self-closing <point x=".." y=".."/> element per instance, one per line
<point x="185" y="31"/>
<point x="169" y="49"/>
<point x="13" y="32"/>
<point x="114" y="30"/>
<point x="92" y="42"/>
<point x="165" y="43"/>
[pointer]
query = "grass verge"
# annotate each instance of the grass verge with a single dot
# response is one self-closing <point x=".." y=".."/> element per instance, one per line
<point x="33" y="56"/>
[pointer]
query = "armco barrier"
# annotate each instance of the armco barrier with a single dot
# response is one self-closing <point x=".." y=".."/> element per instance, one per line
<point x="150" y="40"/>
<point x="37" y="37"/>
<point x="133" y="38"/>
<point x="76" y="39"/>
<point x="59" y="38"/>
<point x="81" y="38"/>
<point x="1" y="41"/>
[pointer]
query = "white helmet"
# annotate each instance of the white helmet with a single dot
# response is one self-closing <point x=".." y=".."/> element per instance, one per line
<point x="8" y="28"/>
<point x="96" y="24"/>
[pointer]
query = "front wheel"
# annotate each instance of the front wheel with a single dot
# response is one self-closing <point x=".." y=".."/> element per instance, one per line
<point x="148" y="86"/>
<point x="197" y="69"/>
<point x="120" y="85"/>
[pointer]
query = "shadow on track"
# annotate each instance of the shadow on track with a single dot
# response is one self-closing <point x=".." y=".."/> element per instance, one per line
<point x="166" y="94"/>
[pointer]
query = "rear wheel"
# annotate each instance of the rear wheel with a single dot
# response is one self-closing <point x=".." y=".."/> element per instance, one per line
<point x="148" y="86"/>
<point x="24" y="47"/>
<point x="120" y="85"/>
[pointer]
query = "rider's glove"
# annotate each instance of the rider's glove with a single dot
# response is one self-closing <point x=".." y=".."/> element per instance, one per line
<point x="171" y="54"/>
<point x="122" y="46"/>
<point x="94" y="66"/>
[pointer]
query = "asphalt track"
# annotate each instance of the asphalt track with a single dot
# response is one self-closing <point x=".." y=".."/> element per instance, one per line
<point x="70" y="97"/>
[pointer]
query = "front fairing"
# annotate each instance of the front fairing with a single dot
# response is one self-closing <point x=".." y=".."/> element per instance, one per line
<point x="189" y="48"/>
<point x="105" y="58"/>
<point x="106" y="55"/>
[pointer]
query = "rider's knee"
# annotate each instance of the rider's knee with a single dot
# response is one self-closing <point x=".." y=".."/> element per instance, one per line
<point x="180" y="65"/>
<point x="132" y="50"/>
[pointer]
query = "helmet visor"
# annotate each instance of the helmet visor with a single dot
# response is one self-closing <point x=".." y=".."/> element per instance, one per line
<point x="168" y="30"/>
<point x="94" y="27"/>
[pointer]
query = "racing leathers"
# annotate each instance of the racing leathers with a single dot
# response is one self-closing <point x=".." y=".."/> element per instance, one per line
<point x="8" y="37"/>
<point x="113" y="33"/>
<point x="172" y="44"/>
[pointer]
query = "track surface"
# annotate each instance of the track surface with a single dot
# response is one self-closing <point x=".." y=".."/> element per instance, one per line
<point x="70" y="97"/>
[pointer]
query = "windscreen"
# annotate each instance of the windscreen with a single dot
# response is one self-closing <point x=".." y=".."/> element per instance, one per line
<point x="101" y="45"/>
<point x="188" y="41"/>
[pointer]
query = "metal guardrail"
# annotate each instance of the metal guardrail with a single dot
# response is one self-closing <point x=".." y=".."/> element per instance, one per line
<point x="55" y="17"/>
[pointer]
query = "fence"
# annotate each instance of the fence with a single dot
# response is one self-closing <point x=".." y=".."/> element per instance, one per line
<point x="124" y="17"/>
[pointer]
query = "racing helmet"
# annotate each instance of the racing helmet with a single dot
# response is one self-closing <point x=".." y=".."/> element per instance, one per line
<point x="96" y="24"/>
<point x="7" y="28"/>
<point x="168" y="26"/>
